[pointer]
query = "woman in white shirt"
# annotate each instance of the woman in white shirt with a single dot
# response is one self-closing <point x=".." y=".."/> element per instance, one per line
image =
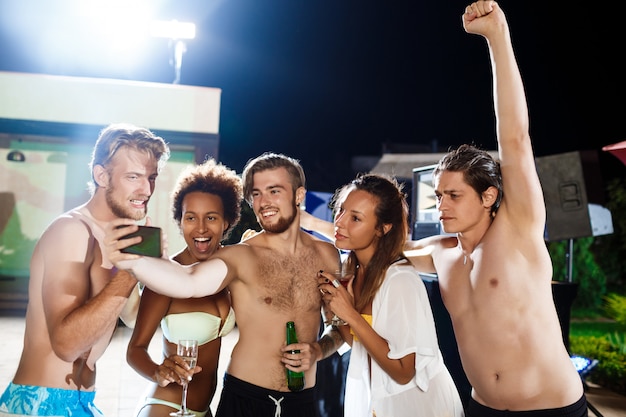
<point x="396" y="368"/>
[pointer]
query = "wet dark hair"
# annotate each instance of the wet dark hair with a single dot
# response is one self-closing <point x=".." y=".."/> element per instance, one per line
<point x="270" y="160"/>
<point x="391" y="208"/>
<point x="479" y="170"/>
<point x="212" y="178"/>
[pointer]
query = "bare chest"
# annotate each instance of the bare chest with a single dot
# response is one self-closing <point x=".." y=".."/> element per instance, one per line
<point x="491" y="278"/>
<point x="289" y="282"/>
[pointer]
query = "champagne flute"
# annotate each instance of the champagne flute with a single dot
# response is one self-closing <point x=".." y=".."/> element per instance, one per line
<point x="343" y="277"/>
<point x="188" y="350"/>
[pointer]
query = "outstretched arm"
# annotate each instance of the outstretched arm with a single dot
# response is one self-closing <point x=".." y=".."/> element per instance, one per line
<point x="522" y="197"/>
<point x="163" y="275"/>
<point x="418" y="251"/>
<point x="315" y="224"/>
<point x="171" y="279"/>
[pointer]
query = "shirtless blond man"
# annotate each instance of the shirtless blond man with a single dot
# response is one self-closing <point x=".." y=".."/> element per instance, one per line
<point x="272" y="278"/>
<point x="495" y="274"/>
<point x="75" y="299"/>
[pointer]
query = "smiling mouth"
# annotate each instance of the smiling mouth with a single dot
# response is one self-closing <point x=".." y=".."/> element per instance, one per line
<point x="202" y="243"/>
<point x="139" y="202"/>
<point x="269" y="213"/>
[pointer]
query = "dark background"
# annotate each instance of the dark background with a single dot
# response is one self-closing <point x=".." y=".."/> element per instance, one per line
<point x="326" y="80"/>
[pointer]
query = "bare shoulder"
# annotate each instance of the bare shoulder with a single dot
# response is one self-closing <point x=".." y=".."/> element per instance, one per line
<point x="66" y="223"/>
<point x="322" y="245"/>
<point x="320" y="252"/>
<point x="237" y="251"/>
<point x="67" y="232"/>
<point x="447" y="242"/>
<point x="429" y="243"/>
<point x="245" y="253"/>
<point x="442" y="245"/>
<point x="422" y="253"/>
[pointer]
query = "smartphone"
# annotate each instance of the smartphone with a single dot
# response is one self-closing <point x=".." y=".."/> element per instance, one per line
<point x="150" y="244"/>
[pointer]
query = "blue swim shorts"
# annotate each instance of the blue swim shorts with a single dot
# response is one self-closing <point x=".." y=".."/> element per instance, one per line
<point x="42" y="401"/>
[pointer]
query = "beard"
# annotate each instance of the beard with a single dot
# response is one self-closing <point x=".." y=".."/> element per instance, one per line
<point x="119" y="210"/>
<point x="281" y="225"/>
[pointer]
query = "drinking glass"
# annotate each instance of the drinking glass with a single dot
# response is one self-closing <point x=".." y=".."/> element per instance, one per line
<point x="343" y="277"/>
<point x="188" y="350"/>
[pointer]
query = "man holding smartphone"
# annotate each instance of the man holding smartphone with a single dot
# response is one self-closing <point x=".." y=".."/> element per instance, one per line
<point x="75" y="296"/>
<point x="272" y="278"/>
<point x="150" y="244"/>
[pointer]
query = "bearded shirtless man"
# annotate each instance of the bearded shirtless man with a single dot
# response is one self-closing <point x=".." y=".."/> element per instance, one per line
<point x="74" y="296"/>
<point x="495" y="274"/>
<point x="272" y="278"/>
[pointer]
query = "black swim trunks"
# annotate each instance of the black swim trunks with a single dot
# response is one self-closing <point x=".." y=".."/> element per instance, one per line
<point x="578" y="409"/>
<point x="242" y="399"/>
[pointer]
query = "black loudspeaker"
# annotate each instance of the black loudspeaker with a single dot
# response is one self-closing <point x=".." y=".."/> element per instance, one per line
<point x="447" y="340"/>
<point x="571" y="182"/>
<point x="564" y="294"/>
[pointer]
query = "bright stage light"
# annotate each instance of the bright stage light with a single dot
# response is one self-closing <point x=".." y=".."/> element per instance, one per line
<point x="172" y="29"/>
<point x="110" y="38"/>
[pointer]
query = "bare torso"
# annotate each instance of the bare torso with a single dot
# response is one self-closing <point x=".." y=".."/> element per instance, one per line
<point x="272" y="288"/>
<point x="204" y="384"/>
<point x="73" y="241"/>
<point x="505" y="323"/>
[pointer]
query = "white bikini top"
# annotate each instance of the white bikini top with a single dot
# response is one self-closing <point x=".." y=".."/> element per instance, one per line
<point x="196" y="325"/>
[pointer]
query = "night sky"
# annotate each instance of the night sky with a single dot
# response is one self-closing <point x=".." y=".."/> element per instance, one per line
<point x="323" y="81"/>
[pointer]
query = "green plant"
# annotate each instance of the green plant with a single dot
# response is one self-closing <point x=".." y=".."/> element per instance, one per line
<point x="611" y="369"/>
<point x="604" y="340"/>
<point x="597" y="328"/>
<point x="615" y="307"/>
<point x="586" y="313"/>
<point x="619" y="340"/>
<point x="585" y="271"/>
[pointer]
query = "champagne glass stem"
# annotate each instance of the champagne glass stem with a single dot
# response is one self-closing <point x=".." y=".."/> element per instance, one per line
<point x="188" y="351"/>
<point x="183" y="405"/>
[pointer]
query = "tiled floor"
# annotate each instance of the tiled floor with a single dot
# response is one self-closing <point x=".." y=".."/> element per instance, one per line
<point x="120" y="387"/>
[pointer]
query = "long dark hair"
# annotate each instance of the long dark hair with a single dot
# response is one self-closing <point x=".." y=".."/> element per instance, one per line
<point x="391" y="208"/>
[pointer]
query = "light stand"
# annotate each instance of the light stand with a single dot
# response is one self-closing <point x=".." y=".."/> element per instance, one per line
<point x="570" y="259"/>
<point x="176" y="32"/>
<point x="179" y="49"/>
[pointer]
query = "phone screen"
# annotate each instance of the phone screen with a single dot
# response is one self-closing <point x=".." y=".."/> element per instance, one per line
<point x="150" y="244"/>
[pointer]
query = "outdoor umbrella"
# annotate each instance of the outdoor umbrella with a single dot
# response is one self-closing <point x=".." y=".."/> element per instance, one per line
<point x="618" y="150"/>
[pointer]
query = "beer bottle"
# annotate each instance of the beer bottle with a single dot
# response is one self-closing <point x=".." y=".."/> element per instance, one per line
<point x="295" y="380"/>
